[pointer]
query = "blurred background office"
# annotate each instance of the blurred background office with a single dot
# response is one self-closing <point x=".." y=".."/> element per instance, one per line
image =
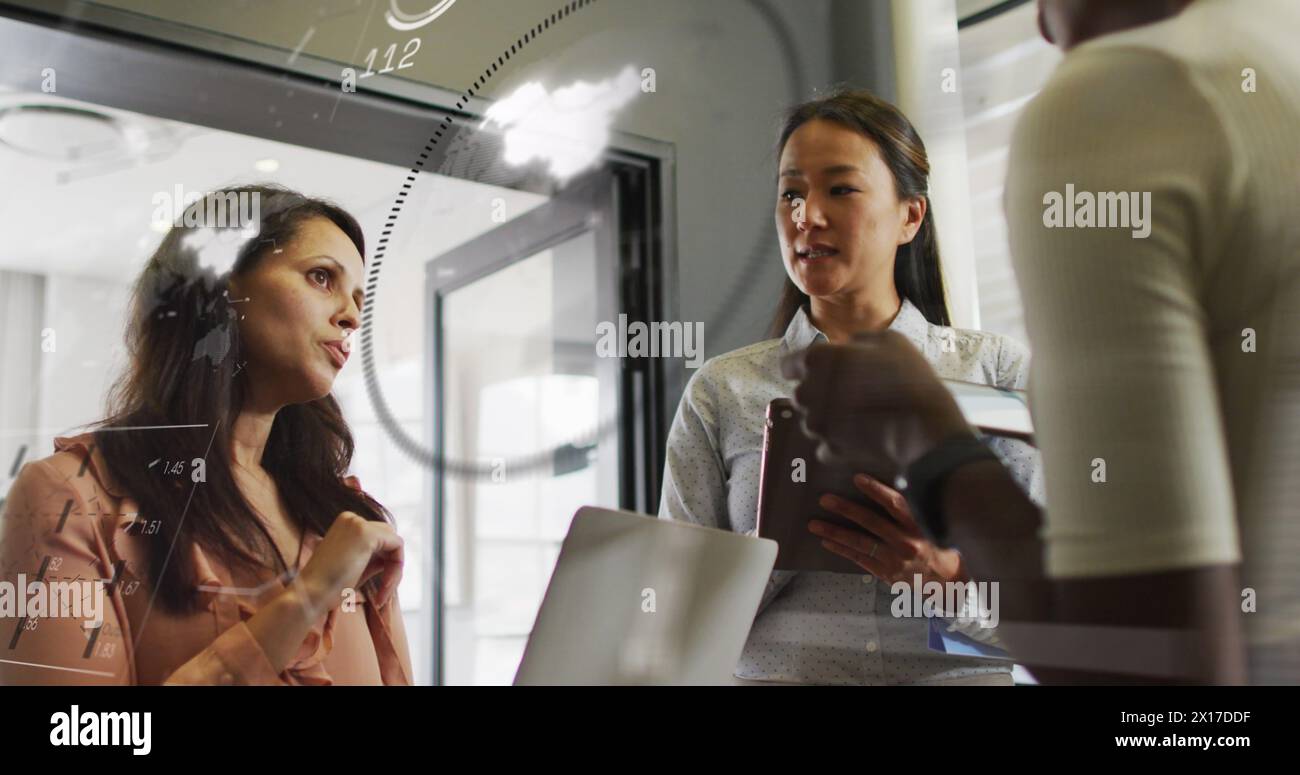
<point x="520" y="181"/>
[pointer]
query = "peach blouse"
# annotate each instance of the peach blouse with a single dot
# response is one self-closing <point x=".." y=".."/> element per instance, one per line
<point x="65" y="517"/>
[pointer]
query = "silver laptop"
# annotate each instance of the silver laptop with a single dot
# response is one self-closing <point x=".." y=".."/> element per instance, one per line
<point x="639" y="600"/>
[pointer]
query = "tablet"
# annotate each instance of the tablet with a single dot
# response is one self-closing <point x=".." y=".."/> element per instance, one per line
<point x="790" y="483"/>
<point x="792" y="480"/>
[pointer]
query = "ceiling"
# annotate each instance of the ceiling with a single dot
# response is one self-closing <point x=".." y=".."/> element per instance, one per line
<point x="91" y="215"/>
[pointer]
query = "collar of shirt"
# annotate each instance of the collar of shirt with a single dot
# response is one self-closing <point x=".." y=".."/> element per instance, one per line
<point x="909" y="322"/>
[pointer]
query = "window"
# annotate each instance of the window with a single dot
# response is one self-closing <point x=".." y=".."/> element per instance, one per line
<point x="1004" y="64"/>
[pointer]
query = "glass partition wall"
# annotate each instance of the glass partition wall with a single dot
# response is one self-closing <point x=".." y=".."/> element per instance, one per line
<point x="487" y="417"/>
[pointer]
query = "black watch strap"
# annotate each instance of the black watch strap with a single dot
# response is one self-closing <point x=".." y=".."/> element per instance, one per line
<point x="925" y="477"/>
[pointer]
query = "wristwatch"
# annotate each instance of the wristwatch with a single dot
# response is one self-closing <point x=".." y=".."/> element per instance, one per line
<point x="923" y="481"/>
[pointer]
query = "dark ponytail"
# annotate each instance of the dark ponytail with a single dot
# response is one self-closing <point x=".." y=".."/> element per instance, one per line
<point x="917" y="273"/>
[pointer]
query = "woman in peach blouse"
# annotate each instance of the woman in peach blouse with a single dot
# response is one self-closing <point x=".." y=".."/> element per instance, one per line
<point x="213" y="503"/>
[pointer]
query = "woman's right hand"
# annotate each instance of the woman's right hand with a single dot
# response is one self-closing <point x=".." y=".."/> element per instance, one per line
<point x="353" y="551"/>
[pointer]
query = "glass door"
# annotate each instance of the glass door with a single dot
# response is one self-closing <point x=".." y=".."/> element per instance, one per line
<point x="526" y="414"/>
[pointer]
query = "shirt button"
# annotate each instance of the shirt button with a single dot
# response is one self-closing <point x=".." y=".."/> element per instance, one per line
<point x="871" y="647"/>
<point x="868" y="579"/>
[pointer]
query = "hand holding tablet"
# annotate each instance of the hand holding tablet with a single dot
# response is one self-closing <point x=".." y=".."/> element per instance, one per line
<point x="793" y="481"/>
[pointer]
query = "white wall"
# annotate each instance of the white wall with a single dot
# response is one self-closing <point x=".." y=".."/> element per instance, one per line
<point x="88" y="316"/>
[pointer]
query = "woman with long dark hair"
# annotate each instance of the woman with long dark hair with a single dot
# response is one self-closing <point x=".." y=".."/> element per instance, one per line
<point x="858" y="242"/>
<point x="213" y="504"/>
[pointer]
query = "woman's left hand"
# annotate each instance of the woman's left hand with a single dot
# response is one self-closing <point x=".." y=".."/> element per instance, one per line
<point x="891" y="551"/>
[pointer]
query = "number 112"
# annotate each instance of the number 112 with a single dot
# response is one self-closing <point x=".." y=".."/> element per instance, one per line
<point x="389" y="52"/>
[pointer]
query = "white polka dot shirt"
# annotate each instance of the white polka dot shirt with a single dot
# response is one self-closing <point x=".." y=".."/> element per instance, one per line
<point x="821" y="627"/>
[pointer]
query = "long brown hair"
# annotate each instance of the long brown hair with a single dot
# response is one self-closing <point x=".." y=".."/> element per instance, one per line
<point x="917" y="273"/>
<point x="185" y="357"/>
